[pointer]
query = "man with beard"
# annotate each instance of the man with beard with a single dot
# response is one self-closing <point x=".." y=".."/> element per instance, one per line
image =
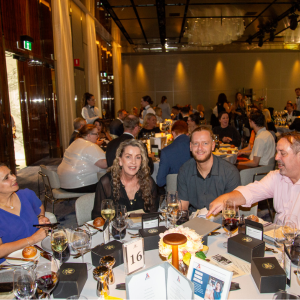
<point x="282" y="185"/>
<point x="204" y="177"/>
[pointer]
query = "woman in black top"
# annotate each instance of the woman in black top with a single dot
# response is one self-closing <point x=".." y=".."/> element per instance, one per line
<point x="223" y="104"/>
<point x="128" y="181"/>
<point x="227" y="134"/>
<point x="149" y="126"/>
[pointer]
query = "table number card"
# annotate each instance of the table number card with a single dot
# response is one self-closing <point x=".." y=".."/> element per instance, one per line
<point x="134" y="255"/>
<point x="254" y="229"/>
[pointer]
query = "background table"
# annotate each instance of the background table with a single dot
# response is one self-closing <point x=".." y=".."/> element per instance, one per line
<point x="282" y="129"/>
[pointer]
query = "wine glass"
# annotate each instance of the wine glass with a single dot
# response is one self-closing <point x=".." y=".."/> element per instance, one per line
<point x="104" y="113"/>
<point x="163" y="208"/>
<point x="230" y="216"/>
<point x="59" y="241"/>
<point x="24" y="285"/>
<point x="293" y="218"/>
<point x="284" y="295"/>
<point x="289" y="231"/>
<point x="120" y="222"/>
<point x="108" y="211"/>
<point x="279" y="238"/>
<point x="81" y="241"/>
<point x="174" y="207"/>
<point x="47" y="275"/>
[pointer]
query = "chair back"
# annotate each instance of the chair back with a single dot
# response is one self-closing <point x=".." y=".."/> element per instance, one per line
<point x="51" y="217"/>
<point x="247" y="174"/>
<point x="171" y="182"/>
<point x="83" y="208"/>
<point x="52" y="176"/>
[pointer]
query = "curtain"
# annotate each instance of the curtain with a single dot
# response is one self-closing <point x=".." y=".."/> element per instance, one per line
<point x="64" y="70"/>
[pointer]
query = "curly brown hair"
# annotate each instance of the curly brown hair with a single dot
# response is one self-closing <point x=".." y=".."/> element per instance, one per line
<point x="143" y="173"/>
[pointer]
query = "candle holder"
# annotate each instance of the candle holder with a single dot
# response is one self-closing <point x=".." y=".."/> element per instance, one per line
<point x="100" y="274"/>
<point x="109" y="262"/>
<point x="175" y="239"/>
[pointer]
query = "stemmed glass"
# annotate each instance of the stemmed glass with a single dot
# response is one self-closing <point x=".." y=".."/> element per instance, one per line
<point x="120" y="222"/>
<point x="230" y="217"/>
<point x="163" y="208"/>
<point x="47" y="275"/>
<point x="81" y="241"/>
<point x="289" y="231"/>
<point x="24" y="283"/>
<point x="174" y="207"/>
<point x="279" y="238"/>
<point x="59" y="241"/>
<point x="108" y="211"/>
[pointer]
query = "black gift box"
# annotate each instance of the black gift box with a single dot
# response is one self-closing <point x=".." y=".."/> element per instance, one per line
<point x="72" y="278"/>
<point x="268" y="275"/>
<point x="151" y="236"/>
<point x="113" y="248"/>
<point x="246" y="247"/>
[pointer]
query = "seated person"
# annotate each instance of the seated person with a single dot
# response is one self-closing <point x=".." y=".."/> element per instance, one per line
<point x="264" y="144"/>
<point x="291" y="113"/>
<point x="185" y="112"/>
<point x="227" y="133"/>
<point x="116" y="126"/>
<point x="149" y="126"/>
<point x="19" y="210"/>
<point x="81" y="162"/>
<point x="158" y="113"/>
<point x="128" y="181"/>
<point x="193" y="122"/>
<point x="282" y="185"/>
<point x="176" y="113"/>
<point x="176" y="154"/>
<point x="295" y="125"/>
<point x="131" y="130"/>
<point x="205" y="176"/>
<point x="102" y="131"/>
<point x="78" y="124"/>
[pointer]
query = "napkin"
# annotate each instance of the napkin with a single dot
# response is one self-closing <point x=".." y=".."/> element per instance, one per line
<point x="278" y="233"/>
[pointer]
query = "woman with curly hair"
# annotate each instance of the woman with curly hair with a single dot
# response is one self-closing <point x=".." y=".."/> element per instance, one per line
<point x="128" y="181"/>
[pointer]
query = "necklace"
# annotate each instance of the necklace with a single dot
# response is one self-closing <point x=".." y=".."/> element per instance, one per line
<point x="9" y="206"/>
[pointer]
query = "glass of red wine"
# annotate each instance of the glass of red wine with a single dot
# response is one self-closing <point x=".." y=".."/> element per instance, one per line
<point x="230" y="217"/>
<point x="46" y="275"/>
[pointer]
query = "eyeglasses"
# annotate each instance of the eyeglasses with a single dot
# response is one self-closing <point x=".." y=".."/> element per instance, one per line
<point x="94" y="133"/>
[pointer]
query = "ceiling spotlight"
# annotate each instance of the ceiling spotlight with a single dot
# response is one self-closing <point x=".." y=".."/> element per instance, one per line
<point x="272" y="35"/>
<point x="293" y="21"/>
<point x="260" y="40"/>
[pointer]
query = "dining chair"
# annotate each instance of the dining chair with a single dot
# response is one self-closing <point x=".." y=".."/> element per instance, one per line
<point x="171" y="184"/>
<point x="51" y="217"/>
<point x="83" y="208"/>
<point x="53" y="192"/>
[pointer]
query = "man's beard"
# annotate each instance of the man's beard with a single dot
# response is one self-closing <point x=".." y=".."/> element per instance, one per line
<point x="205" y="159"/>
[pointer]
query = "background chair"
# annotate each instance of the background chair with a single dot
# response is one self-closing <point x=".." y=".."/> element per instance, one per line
<point x="83" y="208"/>
<point x="51" y="217"/>
<point x="53" y="192"/>
<point x="171" y="184"/>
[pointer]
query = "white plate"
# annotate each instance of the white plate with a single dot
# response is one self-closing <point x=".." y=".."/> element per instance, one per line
<point x="18" y="254"/>
<point x="92" y="230"/>
<point x="219" y="154"/>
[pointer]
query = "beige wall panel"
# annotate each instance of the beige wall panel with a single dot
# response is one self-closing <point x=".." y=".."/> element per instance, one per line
<point x="285" y="96"/>
<point x="290" y="72"/>
<point x="200" y="71"/>
<point x="272" y="70"/>
<point x="84" y="37"/>
<point x="276" y="99"/>
<point x="181" y="75"/>
<point x="134" y="99"/>
<point x="164" y="74"/>
<point x="200" y="97"/>
<point x="168" y="94"/>
<point x="182" y="97"/>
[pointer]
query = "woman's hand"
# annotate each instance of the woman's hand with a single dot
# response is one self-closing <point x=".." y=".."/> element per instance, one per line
<point x="226" y="139"/>
<point x="99" y="142"/>
<point x="43" y="220"/>
<point x="38" y="235"/>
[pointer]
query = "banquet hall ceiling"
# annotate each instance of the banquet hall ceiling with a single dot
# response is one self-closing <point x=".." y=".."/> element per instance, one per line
<point x="155" y="24"/>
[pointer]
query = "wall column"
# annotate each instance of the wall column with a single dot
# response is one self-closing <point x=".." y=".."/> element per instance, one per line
<point x="117" y="66"/>
<point x="64" y="69"/>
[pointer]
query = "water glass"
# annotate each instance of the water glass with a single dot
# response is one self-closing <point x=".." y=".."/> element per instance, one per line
<point x="284" y="295"/>
<point x="163" y="208"/>
<point x="24" y="285"/>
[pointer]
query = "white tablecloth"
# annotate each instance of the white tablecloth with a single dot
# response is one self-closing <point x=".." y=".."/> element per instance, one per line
<point x="248" y="288"/>
<point x="282" y="129"/>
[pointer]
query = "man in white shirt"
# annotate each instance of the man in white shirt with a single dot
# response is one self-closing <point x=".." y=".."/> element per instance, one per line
<point x="146" y="101"/>
<point x="264" y="144"/>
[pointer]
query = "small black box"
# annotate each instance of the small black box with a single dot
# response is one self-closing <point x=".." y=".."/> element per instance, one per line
<point x="246" y="247"/>
<point x="268" y="275"/>
<point x="113" y="248"/>
<point x="72" y="278"/>
<point x="151" y="236"/>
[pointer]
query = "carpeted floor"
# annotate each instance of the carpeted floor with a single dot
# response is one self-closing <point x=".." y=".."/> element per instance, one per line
<point x="65" y="210"/>
<point x="28" y="178"/>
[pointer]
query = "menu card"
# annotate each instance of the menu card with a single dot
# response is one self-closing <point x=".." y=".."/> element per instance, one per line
<point x="159" y="282"/>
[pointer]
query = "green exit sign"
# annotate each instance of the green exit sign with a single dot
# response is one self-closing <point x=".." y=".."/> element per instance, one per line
<point x="27" y="45"/>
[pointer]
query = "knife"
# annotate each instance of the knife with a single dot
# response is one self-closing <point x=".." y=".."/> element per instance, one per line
<point x="17" y="258"/>
<point x="214" y="233"/>
<point x="51" y="225"/>
<point x="94" y="227"/>
<point x="43" y="253"/>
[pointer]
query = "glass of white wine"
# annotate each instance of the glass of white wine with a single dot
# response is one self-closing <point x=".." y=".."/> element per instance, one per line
<point x="108" y="211"/>
<point x="173" y="208"/>
<point x="59" y="241"/>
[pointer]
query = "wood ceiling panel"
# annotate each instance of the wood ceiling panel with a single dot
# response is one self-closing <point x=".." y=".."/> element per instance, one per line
<point x="173" y="27"/>
<point x="174" y="10"/>
<point x="150" y="27"/>
<point x="133" y="28"/>
<point x="147" y="12"/>
<point x="119" y="2"/>
<point x="125" y="13"/>
<point x="144" y="2"/>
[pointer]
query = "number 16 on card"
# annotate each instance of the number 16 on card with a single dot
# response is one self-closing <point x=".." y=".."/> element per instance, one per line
<point x="134" y="255"/>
